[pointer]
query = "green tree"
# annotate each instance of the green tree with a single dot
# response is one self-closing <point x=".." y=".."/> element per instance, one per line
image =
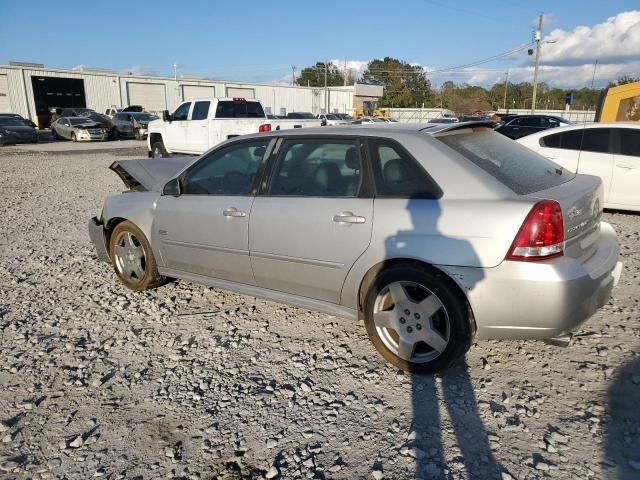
<point x="314" y="76"/>
<point x="405" y="85"/>
<point x="623" y="81"/>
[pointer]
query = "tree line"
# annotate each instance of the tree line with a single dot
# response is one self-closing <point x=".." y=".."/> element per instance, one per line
<point x="407" y="86"/>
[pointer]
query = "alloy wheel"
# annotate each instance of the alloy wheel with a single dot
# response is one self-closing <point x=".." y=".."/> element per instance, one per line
<point x="130" y="257"/>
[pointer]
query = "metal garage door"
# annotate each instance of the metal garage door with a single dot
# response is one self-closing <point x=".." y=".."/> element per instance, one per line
<point x="5" y="104"/>
<point x="150" y="95"/>
<point x="235" y="92"/>
<point x="189" y="92"/>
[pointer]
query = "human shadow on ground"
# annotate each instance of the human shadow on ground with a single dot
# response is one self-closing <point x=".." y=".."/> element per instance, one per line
<point x="622" y="428"/>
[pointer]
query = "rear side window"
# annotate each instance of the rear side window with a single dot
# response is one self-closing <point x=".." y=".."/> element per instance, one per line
<point x="239" y="109"/>
<point x="200" y="110"/>
<point x="397" y="174"/>
<point x="515" y="166"/>
<point x="629" y="142"/>
<point x="586" y="139"/>
<point x="318" y="168"/>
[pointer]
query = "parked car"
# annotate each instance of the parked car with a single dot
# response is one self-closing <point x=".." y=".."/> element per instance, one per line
<point x="102" y="120"/>
<point x="609" y="150"/>
<point x="197" y="125"/>
<point x="57" y="112"/>
<point x="344" y="116"/>
<point x="371" y="120"/>
<point x="111" y="111"/>
<point x="432" y="235"/>
<point x="473" y="118"/>
<point x="13" y="130"/>
<point x="301" y="115"/>
<point x="444" y="120"/>
<point x="518" y="126"/>
<point x="26" y="121"/>
<point x="329" y="119"/>
<point x="78" y="129"/>
<point x="132" y="125"/>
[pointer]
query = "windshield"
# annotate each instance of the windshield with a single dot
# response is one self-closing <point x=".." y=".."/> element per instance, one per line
<point x="377" y="120"/>
<point x="86" y="113"/>
<point x="144" y="117"/>
<point x="332" y="117"/>
<point x="514" y="165"/>
<point x="8" y="121"/>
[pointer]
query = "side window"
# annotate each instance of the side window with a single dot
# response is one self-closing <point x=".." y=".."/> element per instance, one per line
<point x="398" y="174"/>
<point x="200" y="111"/>
<point x="531" y="122"/>
<point x="317" y="168"/>
<point x="517" y="122"/>
<point x="230" y="171"/>
<point x="629" y="142"/>
<point x="549" y="122"/>
<point x="117" y="116"/>
<point x="596" y="140"/>
<point x="586" y="139"/>
<point x="182" y="112"/>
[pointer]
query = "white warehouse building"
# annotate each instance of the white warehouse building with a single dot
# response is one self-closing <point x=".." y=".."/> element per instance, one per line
<point x="31" y="90"/>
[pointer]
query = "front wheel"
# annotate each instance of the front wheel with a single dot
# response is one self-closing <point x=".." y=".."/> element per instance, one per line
<point x="137" y="135"/>
<point x="158" y="150"/>
<point x="132" y="258"/>
<point x="416" y="320"/>
<point x="73" y="137"/>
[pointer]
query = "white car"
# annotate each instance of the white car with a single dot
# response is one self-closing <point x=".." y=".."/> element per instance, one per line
<point x="608" y="150"/>
<point x="372" y="121"/>
<point x="331" y="120"/>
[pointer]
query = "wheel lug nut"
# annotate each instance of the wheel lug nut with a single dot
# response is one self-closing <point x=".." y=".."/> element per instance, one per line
<point x="417" y="315"/>
<point x="407" y="312"/>
<point x="409" y="329"/>
<point x="402" y="320"/>
<point x="418" y="326"/>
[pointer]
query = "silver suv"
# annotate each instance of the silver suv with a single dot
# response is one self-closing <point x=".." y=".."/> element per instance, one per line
<point x="431" y="234"/>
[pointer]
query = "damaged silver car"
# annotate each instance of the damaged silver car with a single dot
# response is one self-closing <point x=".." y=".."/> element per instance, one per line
<point x="432" y="234"/>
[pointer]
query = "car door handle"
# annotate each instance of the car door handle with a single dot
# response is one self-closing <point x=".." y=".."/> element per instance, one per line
<point x="627" y="166"/>
<point x="348" y="217"/>
<point x="233" y="212"/>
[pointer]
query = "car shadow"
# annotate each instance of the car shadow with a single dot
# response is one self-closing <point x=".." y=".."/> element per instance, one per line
<point x="444" y="405"/>
<point x="622" y="429"/>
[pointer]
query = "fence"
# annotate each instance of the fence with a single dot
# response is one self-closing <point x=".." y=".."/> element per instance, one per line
<point x="418" y="115"/>
<point x="577" y="116"/>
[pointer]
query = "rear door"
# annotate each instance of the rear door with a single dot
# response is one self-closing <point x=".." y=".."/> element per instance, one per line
<point x="198" y="127"/>
<point x="313" y="220"/>
<point x="175" y="139"/>
<point x="625" y="184"/>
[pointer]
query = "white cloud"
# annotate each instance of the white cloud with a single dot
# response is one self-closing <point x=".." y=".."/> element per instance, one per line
<point x="614" y="41"/>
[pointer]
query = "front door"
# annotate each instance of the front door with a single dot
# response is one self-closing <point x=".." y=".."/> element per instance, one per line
<point x="626" y="169"/>
<point x="176" y="138"/>
<point x="205" y="230"/>
<point x="312" y="224"/>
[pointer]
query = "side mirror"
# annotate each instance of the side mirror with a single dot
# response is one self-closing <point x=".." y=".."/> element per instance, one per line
<point x="172" y="187"/>
<point x="166" y="116"/>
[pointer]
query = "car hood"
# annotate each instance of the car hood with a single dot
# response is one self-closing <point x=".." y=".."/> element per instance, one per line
<point x="149" y="174"/>
<point x="88" y="124"/>
<point x="17" y="128"/>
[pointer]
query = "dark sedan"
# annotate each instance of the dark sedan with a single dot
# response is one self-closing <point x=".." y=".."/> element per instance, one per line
<point x="26" y="121"/>
<point x="13" y="130"/>
<point x="518" y="126"/>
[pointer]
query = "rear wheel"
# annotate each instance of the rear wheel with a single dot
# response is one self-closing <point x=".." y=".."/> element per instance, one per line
<point x="114" y="134"/>
<point x="73" y="137"/>
<point x="132" y="258"/>
<point x="416" y="320"/>
<point x="137" y="135"/>
<point x="158" y="150"/>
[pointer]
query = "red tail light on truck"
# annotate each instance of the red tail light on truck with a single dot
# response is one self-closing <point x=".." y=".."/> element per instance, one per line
<point x="541" y="235"/>
<point x="265" y="127"/>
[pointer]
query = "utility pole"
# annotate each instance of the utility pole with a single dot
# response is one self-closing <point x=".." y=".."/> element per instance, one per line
<point x="326" y="91"/>
<point x="345" y="73"/>
<point x="293" y="74"/>
<point x="506" y="83"/>
<point x="538" y="37"/>
<point x="175" y="71"/>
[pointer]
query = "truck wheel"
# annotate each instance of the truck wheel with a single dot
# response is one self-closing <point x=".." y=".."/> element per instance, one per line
<point x="158" y="150"/>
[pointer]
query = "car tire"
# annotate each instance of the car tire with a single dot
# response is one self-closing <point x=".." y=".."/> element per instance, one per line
<point x="426" y="310"/>
<point x="137" y="135"/>
<point x="73" y="137"/>
<point x="132" y="258"/>
<point x="54" y="134"/>
<point x="158" y="150"/>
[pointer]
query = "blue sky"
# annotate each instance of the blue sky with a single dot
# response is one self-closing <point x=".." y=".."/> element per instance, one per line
<point x="259" y="41"/>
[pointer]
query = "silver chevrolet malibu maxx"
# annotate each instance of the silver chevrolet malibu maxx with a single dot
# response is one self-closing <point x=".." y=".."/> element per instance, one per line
<point x="432" y="234"/>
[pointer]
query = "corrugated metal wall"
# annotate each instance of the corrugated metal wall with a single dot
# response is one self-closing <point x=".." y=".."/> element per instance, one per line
<point x="104" y="90"/>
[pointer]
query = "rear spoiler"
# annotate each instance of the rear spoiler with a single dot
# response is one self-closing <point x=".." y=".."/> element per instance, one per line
<point x="450" y="127"/>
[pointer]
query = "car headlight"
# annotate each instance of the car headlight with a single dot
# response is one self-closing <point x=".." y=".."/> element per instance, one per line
<point x="83" y="131"/>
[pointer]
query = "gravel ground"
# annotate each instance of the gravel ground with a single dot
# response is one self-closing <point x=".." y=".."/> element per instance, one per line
<point x="192" y="382"/>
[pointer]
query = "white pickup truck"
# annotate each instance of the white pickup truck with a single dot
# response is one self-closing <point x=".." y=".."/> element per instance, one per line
<point x="197" y="125"/>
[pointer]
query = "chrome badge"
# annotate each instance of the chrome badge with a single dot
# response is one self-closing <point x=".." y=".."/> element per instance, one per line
<point x="574" y="212"/>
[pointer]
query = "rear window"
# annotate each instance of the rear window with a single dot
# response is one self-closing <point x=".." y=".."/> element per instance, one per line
<point x="229" y="109"/>
<point x="518" y="168"/>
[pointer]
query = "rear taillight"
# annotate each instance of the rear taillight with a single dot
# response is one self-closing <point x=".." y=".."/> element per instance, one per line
<point x="542" y="234"/>
<point x="265" y="127"/>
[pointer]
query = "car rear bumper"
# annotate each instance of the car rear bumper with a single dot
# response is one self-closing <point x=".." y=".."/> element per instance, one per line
<point x="540" y="299"/>
<point x="97" y="236"/>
